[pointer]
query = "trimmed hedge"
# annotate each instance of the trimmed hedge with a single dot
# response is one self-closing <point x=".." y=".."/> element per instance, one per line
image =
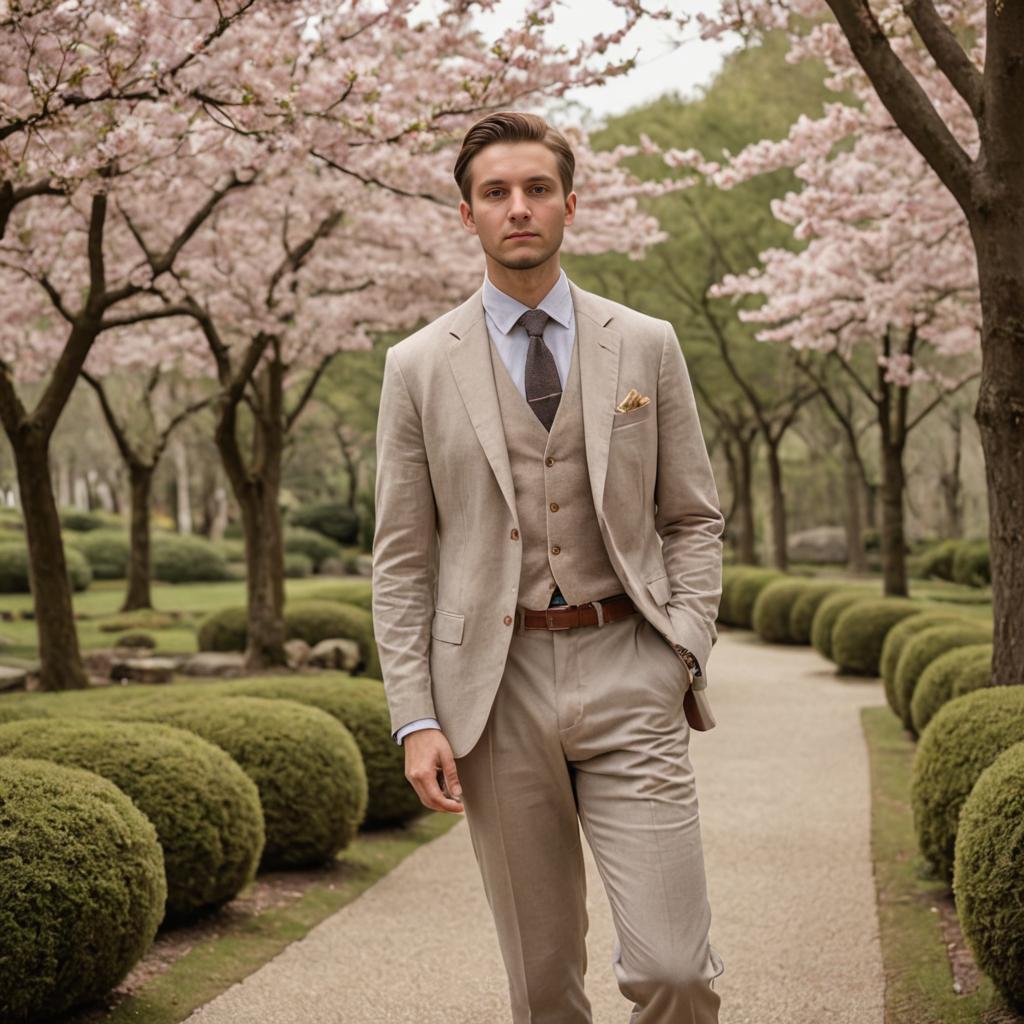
<point x="306" y="765"/>
<point x="860" y="631"/>
<point x="205" y="809"/>
<point x="898" y="637"/>
<point x="936" y="562"/>
<point x="82" y="889"/>
<point x="297" y="566"/>
<point x="825" y="618"/>
<point x="14" y="568"/>
<point x="108" y="553"/>
<point x="315" y="546"/>
<point x="921" y="650"/>
<point x="971" y="564"/>
<point x="312" y="621"/>
<point x="331" y="518"/>
<point x="182" y="558"/>
<point x="744" y="586"/>
<point x="356" y="590"/>
<point x="770" y="616"/>
<point x="988" y="883"/>
<point x="802" y="613"/>
<point x="81" y="521"/>
<point x="967" y="667"/>
<point x="963" y="738"/>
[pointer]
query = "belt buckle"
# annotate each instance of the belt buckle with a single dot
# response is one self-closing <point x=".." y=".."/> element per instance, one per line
<point x="548" y="619"/>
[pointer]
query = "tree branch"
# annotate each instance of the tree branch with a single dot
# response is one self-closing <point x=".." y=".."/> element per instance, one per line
<point x="947" y="53"/>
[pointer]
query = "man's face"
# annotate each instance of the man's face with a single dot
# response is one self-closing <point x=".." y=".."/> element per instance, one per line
<point x="518" y="210"/>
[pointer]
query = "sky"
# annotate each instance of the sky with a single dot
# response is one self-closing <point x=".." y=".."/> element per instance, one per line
<point x="669" y="59"/>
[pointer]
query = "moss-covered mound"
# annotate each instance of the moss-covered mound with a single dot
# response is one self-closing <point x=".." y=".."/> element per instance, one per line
<point x="988" y="882"/>
<point x="961" y="670"/>
<point x="825" y="617"/>
<point x="82" y="888"/>
<point x="921" y="650"/>
<point x="860" y="630"/>
<point x="305" y="764"/>
<point x="349" y="590"/>
<point x="801" y="615"/>
<point x="773" y="607"/>
<point x="206" y="810"/>
<point x="963" y="738"/>
<point x="896" y="639"/>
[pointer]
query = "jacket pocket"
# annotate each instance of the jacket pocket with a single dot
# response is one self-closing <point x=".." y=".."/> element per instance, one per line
<point x="660" y="589"/>
<point x="447" y="626"/>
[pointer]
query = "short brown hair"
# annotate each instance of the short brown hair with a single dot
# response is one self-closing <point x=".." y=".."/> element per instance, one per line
<point x="513" y="126"/>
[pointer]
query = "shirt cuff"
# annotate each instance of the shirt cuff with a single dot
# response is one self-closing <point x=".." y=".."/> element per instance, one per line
<point x="420" y="723"/>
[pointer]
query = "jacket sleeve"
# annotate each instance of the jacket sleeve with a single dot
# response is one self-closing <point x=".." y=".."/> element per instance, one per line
<point x="404" y="552"/>
<point x="688" y="518"/>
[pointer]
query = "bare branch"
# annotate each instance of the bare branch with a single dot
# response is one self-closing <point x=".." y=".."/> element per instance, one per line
<point x="947" y="52"/>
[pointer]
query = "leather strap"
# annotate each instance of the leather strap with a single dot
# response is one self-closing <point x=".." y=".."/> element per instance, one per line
<point x="569" y="616"/>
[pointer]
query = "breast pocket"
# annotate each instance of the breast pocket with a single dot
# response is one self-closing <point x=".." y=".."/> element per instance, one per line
<point x="625" y="420"/>
<point x="447" y="626"/>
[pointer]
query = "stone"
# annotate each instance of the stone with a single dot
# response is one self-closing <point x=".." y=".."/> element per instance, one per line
<point x="338" y="653"/>
<point x="143" y="670"/>
<point x="12" y="678"/>
<point x="333" y="566"/>
<point x="821" y="545"/>
<point x="226" y="664"/>
<point x="297" y="652"/>
<point x="364" y="565"/>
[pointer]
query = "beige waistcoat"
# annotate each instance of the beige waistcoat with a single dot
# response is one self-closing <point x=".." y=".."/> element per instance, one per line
<point x="558" y="525"/>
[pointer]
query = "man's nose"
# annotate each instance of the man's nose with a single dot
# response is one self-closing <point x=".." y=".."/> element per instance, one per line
<point x="518" y="206"/>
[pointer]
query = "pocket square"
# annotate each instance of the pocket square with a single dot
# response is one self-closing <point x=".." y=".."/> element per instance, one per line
<point x="633" y="400"/>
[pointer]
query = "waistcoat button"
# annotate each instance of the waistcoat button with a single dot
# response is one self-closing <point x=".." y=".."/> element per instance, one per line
<point x="508" y="620"/>
<point x="549" y="461"/>
<point x="555" y="550"/>
<point x="554" y="506"/>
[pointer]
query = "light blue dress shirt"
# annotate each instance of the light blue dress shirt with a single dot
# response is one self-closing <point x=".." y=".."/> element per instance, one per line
<point x="501" y="312"/>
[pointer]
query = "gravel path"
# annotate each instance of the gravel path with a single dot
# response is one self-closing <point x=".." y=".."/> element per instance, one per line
<point x="785" y="805"/>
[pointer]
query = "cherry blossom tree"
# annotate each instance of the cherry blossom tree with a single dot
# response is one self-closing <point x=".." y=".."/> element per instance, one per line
<point x="950" y="78"/>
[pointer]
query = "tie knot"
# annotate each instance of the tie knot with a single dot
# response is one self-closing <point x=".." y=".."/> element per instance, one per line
<point x="534" y="320"/>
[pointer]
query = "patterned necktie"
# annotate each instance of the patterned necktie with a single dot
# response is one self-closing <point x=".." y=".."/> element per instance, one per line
<point x="543" y="388"/>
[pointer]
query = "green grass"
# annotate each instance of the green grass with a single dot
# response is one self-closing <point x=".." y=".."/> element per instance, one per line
<point x="919" y="980"/>
<point x="215" y="964"/>
<point x="18" y="639"/>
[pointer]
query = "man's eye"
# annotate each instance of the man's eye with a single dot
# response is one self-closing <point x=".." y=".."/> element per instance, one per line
<point x="543" y="188"/>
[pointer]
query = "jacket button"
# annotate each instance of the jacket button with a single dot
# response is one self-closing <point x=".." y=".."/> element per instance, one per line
<point x="554" y="506"/>
<point x="508" y="620"/>
<point x="549" y="461"/>
<point x="514" y="534"/>
<point x="555" y="550"/>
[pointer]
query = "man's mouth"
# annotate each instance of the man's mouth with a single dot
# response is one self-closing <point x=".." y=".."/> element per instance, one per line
<point x="522" y="234"/>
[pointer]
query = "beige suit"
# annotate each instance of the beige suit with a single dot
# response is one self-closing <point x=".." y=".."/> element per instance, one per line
<point x="447" y="558"/>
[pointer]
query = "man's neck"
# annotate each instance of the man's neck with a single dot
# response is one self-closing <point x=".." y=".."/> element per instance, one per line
<point x="528" y="286"/>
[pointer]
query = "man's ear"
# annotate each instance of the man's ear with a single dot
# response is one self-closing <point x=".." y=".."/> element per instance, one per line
<point x="570" y="208"/>
<point x="466" y="213"/>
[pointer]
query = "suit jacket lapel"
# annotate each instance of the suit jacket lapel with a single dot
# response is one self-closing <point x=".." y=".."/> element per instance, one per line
<point x="470" y="360"/>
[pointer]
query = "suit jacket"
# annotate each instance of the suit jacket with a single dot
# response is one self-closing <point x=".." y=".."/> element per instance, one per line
<point x="446" y="563"/>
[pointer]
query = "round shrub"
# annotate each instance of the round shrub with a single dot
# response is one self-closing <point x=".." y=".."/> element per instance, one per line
<point x="82" y="888"/>
<point x="988" y="883"/>
<point x="801" y="615"/>
<point x="936" y="562"/>
<point x="357" y="591"/>
<point x="81" y="521"/>
<point x="744" y="591"/>
<point x="14" y="568"/>
<point x="360" y="705"/>
<point x="921" y="650"/>
<point x="971" y="564"/>
<point x="138" y="641"/>
<point x="205" y="809"/>
<point x="825" y="617"/>
<point x="938" y="682"/>
<point x="306" y="765"/>
<point x="224" y="630"/>
<point x="896" y="639"/>
<point x="297" y="566"/>
<point x="182" y="558"/>
<point x="331" y="518"/>
<point x="314" y="621"/>
<point x="773" y="607"/>
<point x="107" y="552"/>
<point x="315" y="546"/>
<point x="232" y="548"/>
<point x="963" y="738"/>
<point x="860" y="630"/>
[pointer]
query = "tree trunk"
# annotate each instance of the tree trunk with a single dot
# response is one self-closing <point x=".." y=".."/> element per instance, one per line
<point x="60" y="661"/>
<point x="138" y="594"/>
<point x="999" y="412"/>
<point x="951" y="484"/>
<point x="746" y="553"/>
<point x="892" y="540"/>
<point x="183" y="489"/>
<point x="856" y="557"/>
<point x="778" y="512"/>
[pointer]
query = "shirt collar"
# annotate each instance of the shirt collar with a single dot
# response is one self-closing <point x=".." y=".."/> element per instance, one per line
<point x="505" y="310"/>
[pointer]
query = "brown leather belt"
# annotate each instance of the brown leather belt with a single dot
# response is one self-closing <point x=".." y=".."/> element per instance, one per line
<point x="569" y="616"/>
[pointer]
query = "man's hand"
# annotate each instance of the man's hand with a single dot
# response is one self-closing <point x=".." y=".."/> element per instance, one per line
<point x="430" y="767"/>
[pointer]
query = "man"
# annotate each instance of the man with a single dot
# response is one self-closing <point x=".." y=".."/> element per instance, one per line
<point x="546" y="577"/>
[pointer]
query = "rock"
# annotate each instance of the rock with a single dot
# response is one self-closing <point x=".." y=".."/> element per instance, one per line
<point x="332" y="566"/>
<point x="98" y="663"/>
<point x="336" y="653"/>
<point x="364" y="565"/>
<point x="297" y="652"/>
<point x="135" y="640"/>
<point x="225" y="664"/>
<point x="821" y="545"/>
<point x="143" y="670"/>
<point x="12" y="678"/>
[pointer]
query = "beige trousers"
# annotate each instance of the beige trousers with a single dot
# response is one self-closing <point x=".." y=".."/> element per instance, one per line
<point x="587" y="729"/>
